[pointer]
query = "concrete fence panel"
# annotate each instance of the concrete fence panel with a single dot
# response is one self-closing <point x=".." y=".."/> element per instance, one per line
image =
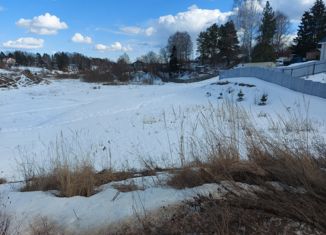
<point x="278" y="77"/>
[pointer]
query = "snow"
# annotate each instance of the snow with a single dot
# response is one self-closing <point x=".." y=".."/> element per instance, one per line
<point x="5" y="72"/>
<point x="106" y="207"/>
<point x="299" y="64"/>
<point x="32" y="69"/>
<point x="132" y="122"/>
<point x="321" y="77"/>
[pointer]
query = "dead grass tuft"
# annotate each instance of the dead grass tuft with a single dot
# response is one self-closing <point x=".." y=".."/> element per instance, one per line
<point x="43" y="226"/>
<point x="127" y="187"/>
<point x="5" y="221"/>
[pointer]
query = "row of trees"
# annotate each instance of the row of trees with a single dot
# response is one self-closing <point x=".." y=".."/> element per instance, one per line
<point x="269" y="30"/>
<point x="59" y="60"/>
<point x="218" y="44"/>
<point x="265" y="36"/>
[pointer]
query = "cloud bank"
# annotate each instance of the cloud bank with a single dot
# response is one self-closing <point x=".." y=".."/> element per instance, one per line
<point x="24" y="43"/>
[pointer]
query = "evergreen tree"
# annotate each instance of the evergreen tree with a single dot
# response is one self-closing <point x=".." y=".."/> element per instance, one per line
<point x="318" y="12"/>
<point x="62" y="61"/>
<point x="174" y="67"/>
<point x="213" y="39"/>
<point x="304" y="40"/>
<point x="228" y="42"/>
<point x="264" y="50"/>
<point x="203" y="47"/>
<point x="311" y="30"/>
<point x="208" y="44"/>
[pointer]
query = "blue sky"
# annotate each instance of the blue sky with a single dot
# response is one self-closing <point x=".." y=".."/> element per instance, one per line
<point x="108" y="28"/>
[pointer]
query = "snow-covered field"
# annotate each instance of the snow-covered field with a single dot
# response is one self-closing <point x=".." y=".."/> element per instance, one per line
<point x="130" y="122"/>
<point x="119" y="126"/>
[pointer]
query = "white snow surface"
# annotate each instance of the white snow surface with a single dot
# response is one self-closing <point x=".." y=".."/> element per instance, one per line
<point x="320" y="77"/>
<point x="80" y="214"/>
<point x="131" y="122"/>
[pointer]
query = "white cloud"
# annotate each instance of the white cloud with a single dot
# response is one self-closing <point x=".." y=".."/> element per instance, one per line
<point x="194" y="20"/>
<point x="117" y="46"/>
<point x="24" y="43"/>
<point x="79" y="38"/>
<point x="131" y="30"/>
<point x="294" y="9"/>
<point x="134" y="30"/>
<point x="46" y="24"/>
<point x="150" y="31"/>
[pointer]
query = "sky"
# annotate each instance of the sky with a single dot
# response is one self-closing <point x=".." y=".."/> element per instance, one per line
<point x="109" y="28"/>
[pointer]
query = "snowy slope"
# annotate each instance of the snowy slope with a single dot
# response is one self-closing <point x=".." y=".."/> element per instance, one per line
<point x="133" y="122"/>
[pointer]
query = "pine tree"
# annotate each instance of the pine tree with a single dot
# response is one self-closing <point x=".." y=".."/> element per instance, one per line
<point x="213" y="38"/>
<point x="264" y="50"/>
<point x="318" y="12"/>
<point x="208" y="45"/>
<point x="304" y="40"/>
<point x="203" y="47"/>
<point x="311" y="30"/>
<point x="228" y="42"/>
<point x="174" y="67"/>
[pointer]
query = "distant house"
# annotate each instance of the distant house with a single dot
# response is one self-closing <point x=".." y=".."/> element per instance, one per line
<point x="73" y="68"/>
<point x="322" y="46"/>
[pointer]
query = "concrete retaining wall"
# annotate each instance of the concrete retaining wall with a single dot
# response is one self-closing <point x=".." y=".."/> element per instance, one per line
<point x="278" y="77"/>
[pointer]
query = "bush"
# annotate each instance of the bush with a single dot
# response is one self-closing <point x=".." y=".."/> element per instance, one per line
<point x="263" y="99"/>
<point x="240" y="96"/>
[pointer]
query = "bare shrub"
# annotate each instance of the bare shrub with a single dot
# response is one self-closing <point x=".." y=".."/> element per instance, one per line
<point x="3" y="181"/>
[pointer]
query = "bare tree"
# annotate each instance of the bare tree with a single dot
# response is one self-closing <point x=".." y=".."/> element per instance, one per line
<point x="184" y="46"/>
<point x="152" y="61"/>
<point x="282" y="30"/>
<point x="247" y="22"/>
<point x="164" y="57"/>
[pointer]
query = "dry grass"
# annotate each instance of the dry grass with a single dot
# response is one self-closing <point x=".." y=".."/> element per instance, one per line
<point x="206" y="215"/>
<point x="43" y="226"/>
<point x="80" y="180"/>
<point x="288" y="167"/>
<point x="5" y="221"/>
<point x="127" y="187"/>
<point x="69" y="180"/>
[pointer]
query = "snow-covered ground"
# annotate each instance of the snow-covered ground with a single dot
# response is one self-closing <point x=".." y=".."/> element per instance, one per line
<point x="80" y="214"/>
<point x="120" y="125"/>
<point x="131" y="122"/>
<point x="321" y="77"/>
